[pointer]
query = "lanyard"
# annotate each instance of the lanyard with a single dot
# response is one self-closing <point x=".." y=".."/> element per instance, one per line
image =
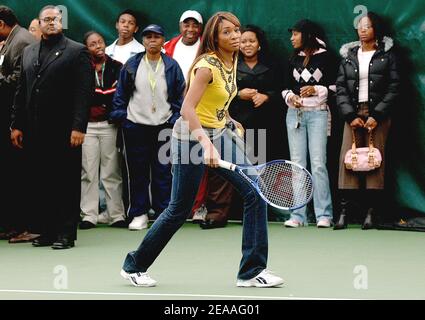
<point x="100" y="83"/>
<point x="152" y="79"/>
<point x="152" y="74"/>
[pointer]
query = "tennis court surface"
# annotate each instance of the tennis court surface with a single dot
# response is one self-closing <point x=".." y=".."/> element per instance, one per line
<point x="202" y="265"/>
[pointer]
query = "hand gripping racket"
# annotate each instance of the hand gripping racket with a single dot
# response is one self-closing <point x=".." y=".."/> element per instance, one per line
<point x="282" y="184"/>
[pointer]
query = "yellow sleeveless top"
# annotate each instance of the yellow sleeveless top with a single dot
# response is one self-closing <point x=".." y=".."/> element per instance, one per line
<point x="219" y="93"/>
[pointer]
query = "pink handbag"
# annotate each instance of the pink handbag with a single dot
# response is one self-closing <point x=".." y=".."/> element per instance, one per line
<point x="363" y="159"/>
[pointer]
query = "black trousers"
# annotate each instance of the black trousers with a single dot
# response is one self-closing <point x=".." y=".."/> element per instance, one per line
<point x="55" y="187"/>
<point x="13" y="210"/>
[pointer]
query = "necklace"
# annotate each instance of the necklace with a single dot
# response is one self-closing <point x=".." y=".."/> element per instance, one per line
<point x="229" y="77"/>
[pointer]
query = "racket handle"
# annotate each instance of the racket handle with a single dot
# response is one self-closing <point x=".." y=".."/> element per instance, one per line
<point x="227" y="165"/>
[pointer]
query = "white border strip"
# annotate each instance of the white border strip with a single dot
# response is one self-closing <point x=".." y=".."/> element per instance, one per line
<point x="175" y="295"/>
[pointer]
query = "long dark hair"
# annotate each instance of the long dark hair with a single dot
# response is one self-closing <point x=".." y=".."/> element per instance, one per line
<point x="310" y="31"/>
<point x="264" y="53"/>
<point x="209" y="42"/>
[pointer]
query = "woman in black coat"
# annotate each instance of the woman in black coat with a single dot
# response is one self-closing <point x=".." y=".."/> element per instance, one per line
<point x="367" y="88"/>
<point x="259" y="103"/>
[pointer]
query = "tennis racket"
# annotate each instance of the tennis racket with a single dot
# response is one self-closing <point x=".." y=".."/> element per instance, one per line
<point x="282" y="184"/>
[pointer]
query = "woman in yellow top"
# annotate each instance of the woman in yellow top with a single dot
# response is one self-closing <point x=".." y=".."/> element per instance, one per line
<point x="201" y="137"/>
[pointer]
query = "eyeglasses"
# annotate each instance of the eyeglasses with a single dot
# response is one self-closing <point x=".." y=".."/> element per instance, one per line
<point x="365" y="27"/>
<point x="52" y="19"/>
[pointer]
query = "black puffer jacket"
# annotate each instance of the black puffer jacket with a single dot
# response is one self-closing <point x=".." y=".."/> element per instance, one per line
<point x="384" y="81"/>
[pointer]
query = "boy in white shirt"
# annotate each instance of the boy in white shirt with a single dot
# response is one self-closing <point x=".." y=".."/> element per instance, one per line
<point x="125" y="46"/>
<point x="122" y="49"/>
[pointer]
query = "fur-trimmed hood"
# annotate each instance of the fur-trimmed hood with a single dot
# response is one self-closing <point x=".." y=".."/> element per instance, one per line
<point x="345" y="49"/>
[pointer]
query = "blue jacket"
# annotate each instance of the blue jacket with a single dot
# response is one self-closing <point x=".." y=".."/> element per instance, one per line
<point x="126" y="86"/>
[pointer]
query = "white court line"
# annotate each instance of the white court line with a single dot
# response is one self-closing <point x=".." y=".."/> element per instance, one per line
<point x="176" y="295"/>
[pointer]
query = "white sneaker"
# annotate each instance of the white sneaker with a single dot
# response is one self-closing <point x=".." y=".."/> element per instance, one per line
<point x="324" y="223"/>
<point x="139" y="279"/>
<point x="139" y="223"/>
<point x="265" y="279"/>
<point x="293" y="223"/>
<point x="200" y="214"/>
<point x="103" y="218"/>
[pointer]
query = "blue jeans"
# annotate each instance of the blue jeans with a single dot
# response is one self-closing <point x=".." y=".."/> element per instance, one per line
<point x="187" y="175"/>
<point x="311" y="138"/>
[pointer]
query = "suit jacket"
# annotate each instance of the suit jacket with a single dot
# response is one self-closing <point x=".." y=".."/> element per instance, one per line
<point x="10" y="69"/>
<point x="53" y="98"/>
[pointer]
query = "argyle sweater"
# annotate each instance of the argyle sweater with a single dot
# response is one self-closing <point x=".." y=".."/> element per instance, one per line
<point x="320" y="71"/>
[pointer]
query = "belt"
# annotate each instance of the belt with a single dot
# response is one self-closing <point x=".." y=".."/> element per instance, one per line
<point x="322" y="107"/>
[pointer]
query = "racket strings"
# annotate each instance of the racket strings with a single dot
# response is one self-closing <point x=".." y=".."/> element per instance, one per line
<point x="285" y="185"/>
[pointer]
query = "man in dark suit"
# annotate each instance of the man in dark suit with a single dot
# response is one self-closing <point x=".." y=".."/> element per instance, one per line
<point x="13" y="217"/>
<point x="49" y="120"/>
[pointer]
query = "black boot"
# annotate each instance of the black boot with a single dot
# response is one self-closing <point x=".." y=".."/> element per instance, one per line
<point x="368" y="223"/>
<point x="342" y="222"/>
<point x="375" y="200"/>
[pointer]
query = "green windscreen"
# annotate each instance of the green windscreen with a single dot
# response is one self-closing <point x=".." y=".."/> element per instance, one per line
<point x="406" y="148"/>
